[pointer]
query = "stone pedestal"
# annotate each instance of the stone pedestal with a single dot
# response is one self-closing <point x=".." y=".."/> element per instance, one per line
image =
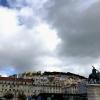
<point x="93" y="91"/>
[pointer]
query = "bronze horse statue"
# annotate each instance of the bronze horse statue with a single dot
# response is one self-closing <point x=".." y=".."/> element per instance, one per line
<point x="93" y="79"/>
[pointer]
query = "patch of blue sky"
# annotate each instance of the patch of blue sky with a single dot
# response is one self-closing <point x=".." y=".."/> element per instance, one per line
<point x="7" y="71"/>
<point x="4" y="3"/>
<point x="18" y="4"/>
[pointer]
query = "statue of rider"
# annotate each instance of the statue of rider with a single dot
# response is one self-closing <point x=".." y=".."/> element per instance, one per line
<point x="94" y="72"/>
<point x="94" y="77"/>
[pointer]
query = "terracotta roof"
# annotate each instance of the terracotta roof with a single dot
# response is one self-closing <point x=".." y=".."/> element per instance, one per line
<point x="14" y="79"/>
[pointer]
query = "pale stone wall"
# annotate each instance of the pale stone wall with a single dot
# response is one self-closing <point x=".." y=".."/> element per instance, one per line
<point x="93" y="91"/>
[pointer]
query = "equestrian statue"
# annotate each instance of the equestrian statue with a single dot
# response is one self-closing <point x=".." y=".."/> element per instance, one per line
<point x="94" y="77"/>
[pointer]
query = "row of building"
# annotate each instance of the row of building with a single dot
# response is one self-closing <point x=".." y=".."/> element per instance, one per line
<point x="68" y="83"/>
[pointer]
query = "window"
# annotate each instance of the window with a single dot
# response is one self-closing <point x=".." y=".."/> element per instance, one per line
<point x="9" y="89"/>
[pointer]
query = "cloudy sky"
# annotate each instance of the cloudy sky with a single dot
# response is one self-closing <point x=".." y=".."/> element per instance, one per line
<point x="51" y="35"/>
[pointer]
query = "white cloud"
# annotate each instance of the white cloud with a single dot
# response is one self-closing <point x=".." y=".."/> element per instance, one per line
<point x="57" y="33"/>
<point x="24" y="39"/>
<point x="8" y="22"/>
<point x="48" y="36"/>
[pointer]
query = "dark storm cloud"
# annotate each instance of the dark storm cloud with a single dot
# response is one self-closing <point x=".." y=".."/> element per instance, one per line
<point x="78" y="24"/>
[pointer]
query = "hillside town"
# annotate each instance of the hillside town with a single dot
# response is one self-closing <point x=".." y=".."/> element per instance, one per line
<point x="36" y="84"/>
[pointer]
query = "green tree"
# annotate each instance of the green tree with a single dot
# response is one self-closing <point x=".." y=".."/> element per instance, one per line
<point x="21" y="96"/>
<point x="8" y="96"/>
